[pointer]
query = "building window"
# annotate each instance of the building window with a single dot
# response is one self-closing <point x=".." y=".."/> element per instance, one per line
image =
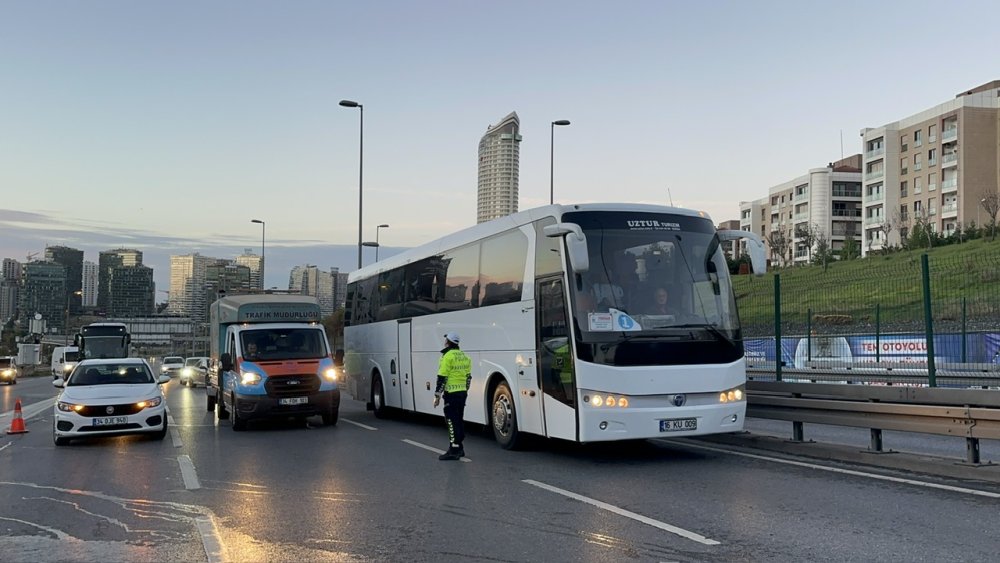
<point x="932" y="181"/>
<point x="918" y="138"/>
<point x="918" y="161"/>
<point x="902" y="143"/>
<point x="931" y="133"/>
<point x="903" y="162"/>
<point x="918" y="184"/>
<point x="902" y="188"/>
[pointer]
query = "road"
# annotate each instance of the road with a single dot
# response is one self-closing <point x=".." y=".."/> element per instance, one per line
<point x="373" y="490"/>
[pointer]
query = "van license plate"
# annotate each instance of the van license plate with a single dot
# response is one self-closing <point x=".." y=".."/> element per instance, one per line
<point x="678" y="424"/>
<point x="294" y="401"/>
<point x="110" y="420"/>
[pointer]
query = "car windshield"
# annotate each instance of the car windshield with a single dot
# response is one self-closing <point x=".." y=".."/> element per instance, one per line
<point x="5" y="362"/>
<point x="192" y="361"/>
<point x="173" y="360"/>
<point x="110" y="374"/>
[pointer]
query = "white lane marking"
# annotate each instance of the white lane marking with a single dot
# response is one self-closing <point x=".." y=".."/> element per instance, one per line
<point x="365" y="426"/>
<point x="431" y="448"/>
<point x="626" y="513"/>
<point x="188" y="473"/>
<point x="210" y="539"/>
<point x="5" y="446"/>
<point x="951" y="488"/>
<point x="27" y="412"/>
<point x="175" y="437"/>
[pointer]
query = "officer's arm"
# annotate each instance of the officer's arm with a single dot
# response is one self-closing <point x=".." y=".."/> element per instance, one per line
<point x="442" y="376"/>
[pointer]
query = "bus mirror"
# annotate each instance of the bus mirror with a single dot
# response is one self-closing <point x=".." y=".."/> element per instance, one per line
<point x="755" y="247"/>
<point x="576" y="244"/>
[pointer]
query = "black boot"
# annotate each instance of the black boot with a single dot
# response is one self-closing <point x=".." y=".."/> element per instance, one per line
<point x="452" y="454"/>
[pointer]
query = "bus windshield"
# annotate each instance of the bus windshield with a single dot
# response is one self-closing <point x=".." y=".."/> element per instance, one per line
<point x="655" y="281"/>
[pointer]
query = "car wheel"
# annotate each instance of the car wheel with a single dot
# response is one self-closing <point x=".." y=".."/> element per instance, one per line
<point x="220" y="404"/>
<point x="239" y="423"/>
<point x="161" y="434"/>
<point x="504" y="418"/>
<point x="378" y="399"/>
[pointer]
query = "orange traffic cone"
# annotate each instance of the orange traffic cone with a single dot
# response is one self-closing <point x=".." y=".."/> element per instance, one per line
<point x="17" y="424"/>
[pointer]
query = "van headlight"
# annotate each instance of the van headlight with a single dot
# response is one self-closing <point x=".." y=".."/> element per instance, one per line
<point x="68" y="367"/>
<point x="734" y="395"/>
<point x="249" y="378"/>
<point x="330" y="374"/>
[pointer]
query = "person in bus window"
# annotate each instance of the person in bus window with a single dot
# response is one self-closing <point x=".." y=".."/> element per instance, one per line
<point x="660" y="302"/>
<point x="453" y="380"/>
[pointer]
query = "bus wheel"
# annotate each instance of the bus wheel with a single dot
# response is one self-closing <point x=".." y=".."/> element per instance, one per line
<point x="505" y="418"/>
<point x="378" y="398"/>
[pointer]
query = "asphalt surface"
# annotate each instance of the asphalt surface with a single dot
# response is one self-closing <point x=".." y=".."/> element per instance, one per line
<point x="371" y="490"/>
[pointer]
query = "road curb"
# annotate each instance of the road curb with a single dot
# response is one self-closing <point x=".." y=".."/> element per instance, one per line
<point x="916" y="463"/>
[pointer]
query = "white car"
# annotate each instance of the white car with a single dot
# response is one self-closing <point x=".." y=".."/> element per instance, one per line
<point x="194" y="372"/>
<point x="172" y="365"/>
<point x="105" y="397"/>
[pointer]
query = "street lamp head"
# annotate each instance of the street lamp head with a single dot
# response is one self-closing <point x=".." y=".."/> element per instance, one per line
<point x="371" y="244"/>
<point x="561" y="122"/>
<point x="349" y="104"/>
<point x="256" y="221"/>
<point x="384" y="226"/>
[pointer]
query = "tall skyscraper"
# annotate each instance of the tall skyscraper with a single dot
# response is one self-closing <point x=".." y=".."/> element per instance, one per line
<point x="187" y="286"/>
<point x="499" y="157"/>
<point x="256" y="265"/>
<point x="132" y="291"/>
<point x="108" y="260"/>
<point x="339" y="288"/>
<point x="310" y="280"/>
<point x="72" y="260"/>
<point x="225" y="275"/>
<point x="89" y="284"/>
<point x="43" y="291"/>
<point x="10" y="277"/>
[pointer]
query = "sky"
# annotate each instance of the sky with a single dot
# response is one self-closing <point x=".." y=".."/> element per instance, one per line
<point x="168" y="126"/>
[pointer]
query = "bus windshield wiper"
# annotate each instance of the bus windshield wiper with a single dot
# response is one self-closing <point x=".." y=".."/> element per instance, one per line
<point x="711" y="329"/>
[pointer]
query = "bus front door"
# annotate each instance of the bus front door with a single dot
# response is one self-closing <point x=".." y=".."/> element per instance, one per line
<point x="404" y="371"/>
<point x="555" y="359"/>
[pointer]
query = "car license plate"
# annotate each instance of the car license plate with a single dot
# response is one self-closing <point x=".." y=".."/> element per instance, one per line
<point x="293" y="401"/>
<point x="110" y="420"/>
<point x="678" y="424"/>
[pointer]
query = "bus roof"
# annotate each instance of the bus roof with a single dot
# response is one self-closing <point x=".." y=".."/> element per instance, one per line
<point x="496" y="226"/>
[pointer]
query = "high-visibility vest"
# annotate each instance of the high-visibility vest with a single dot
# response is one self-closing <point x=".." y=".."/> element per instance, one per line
<point x="455" y="366"/>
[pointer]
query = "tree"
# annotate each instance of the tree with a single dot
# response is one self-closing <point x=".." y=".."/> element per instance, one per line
<point x="887" y="227"/>
<point x="991" y="204"/>
<point x="824" y="254"/>
<point x="808" y="234"/>
<point x="334" y="325"/>
<point x="851" y="249"/>
<point x="778" y="243"/>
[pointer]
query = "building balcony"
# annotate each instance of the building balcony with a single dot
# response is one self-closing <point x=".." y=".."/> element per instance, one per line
<point x="852" y="213"/>
<point x="801" y="254"/>
<point x="871" y="221"/>
<point x="949" y="210"/>
<point x="800" y="217"/>
<point x="802" y="197"/>
<point x="874" y="175"/>
<point x="949" y="160"/>
<point x="874" y="153"/>
<point x="932" y="162"/>
<point x="949" y="185"/>
<point x="847" y="193"/>
<point x="949" y="135"/>
<point x="877" y="196"/>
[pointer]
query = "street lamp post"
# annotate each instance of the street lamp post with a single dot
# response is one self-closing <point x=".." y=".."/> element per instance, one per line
<point x="552" y="146"/>
<point x="261" y="250"/>
<point x="361" y="165"/>
<point x="382" y="226"/>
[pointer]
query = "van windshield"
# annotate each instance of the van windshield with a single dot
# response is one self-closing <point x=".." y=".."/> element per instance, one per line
<point x="71" y="356"/>
<point x="283" y="344"/>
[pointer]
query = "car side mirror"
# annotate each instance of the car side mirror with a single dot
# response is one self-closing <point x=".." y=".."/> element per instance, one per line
<point x="163" y="379"/>
<point x="58" y="383"/>
<point x="227" y="362"/>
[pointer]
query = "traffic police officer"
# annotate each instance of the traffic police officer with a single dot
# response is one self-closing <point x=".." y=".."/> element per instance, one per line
<point x="453" y="380"/>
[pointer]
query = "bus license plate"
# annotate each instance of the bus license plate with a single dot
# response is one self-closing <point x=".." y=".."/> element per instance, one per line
<point x="110" y="420"/>
<point x="678" y="424"/>
<point x="293" y="401"/>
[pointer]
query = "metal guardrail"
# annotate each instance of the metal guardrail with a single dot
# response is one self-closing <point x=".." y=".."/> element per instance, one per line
<point x="973" y="414"/>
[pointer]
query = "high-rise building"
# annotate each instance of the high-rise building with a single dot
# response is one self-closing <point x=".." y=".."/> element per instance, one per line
<point x="932" y="169"/>
<point x="89" y="284"/>
<point x="310" y="280"/>
<point x="187" y="286"/>
<point x="43" y="292"/>
<point x="72" y="260"/>
<point x="107" y="261"/>
<point x="10" y="277"/>
<point x="132" y="292"/>
<point x="339" y="288"/>
<point x="225" y="275"/>
<point x="823" y="204"/>
<point x="499" y="157"/>
<point x="256" y="265"/>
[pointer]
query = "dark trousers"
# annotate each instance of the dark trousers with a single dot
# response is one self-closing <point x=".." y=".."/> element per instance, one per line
<point x="454" y="413"/>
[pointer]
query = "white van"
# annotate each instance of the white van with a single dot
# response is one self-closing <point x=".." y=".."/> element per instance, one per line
<point x="64" y="359"/>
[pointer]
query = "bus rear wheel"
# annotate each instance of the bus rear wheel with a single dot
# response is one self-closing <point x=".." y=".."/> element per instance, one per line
<point x="504" y="418"/>
<point x="378" y="398"/>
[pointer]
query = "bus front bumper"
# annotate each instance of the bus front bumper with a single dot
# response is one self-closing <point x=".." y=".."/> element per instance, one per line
<point x="599" y="425"/>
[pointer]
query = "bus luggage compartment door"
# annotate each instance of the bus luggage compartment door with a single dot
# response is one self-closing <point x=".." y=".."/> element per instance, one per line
<point x="404" y="369"/>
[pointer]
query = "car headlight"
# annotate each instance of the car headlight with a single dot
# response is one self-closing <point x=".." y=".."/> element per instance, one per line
<point x="163" y="368"/>
<point x="68" y="407"/>
<point x="734" y="395"/>
<point x="8" y="372"/>
<point x="68" y="367"/>
<point x="154" y="402"/>
<point x="187" y="371"/>
<point x="249" y="378"/>
<point x="330" y="374"/>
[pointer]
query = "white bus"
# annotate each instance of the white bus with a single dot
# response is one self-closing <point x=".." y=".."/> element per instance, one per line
<point x="555" y="306"/>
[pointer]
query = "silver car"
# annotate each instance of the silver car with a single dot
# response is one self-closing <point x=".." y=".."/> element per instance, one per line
<point x="194" y="371"/>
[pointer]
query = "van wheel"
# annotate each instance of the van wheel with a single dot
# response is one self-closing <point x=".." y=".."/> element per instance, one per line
<point x="239" y="423"/>
<point x="220" y="404"/>
<point x="504" y="418"/>
<point x="378" y="399"/>
<point x="209" y="401"/>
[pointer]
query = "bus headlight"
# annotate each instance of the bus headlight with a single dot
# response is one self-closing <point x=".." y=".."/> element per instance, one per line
<point x="605" y="401"/>
<point x="330" y="374"/>
<point x="734" y="395"/>
<point x="249" y="378"/>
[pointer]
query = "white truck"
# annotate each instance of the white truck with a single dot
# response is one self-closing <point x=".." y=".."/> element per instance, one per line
<point x="270" y="358"/>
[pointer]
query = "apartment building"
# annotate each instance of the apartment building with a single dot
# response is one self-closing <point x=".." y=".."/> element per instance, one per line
<point x="187" y="286"/>
<point x="823" y="204"/>
<point x="730" y="247"/>
<point x="256" y="264"/>
<point x="933" y="168"/>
